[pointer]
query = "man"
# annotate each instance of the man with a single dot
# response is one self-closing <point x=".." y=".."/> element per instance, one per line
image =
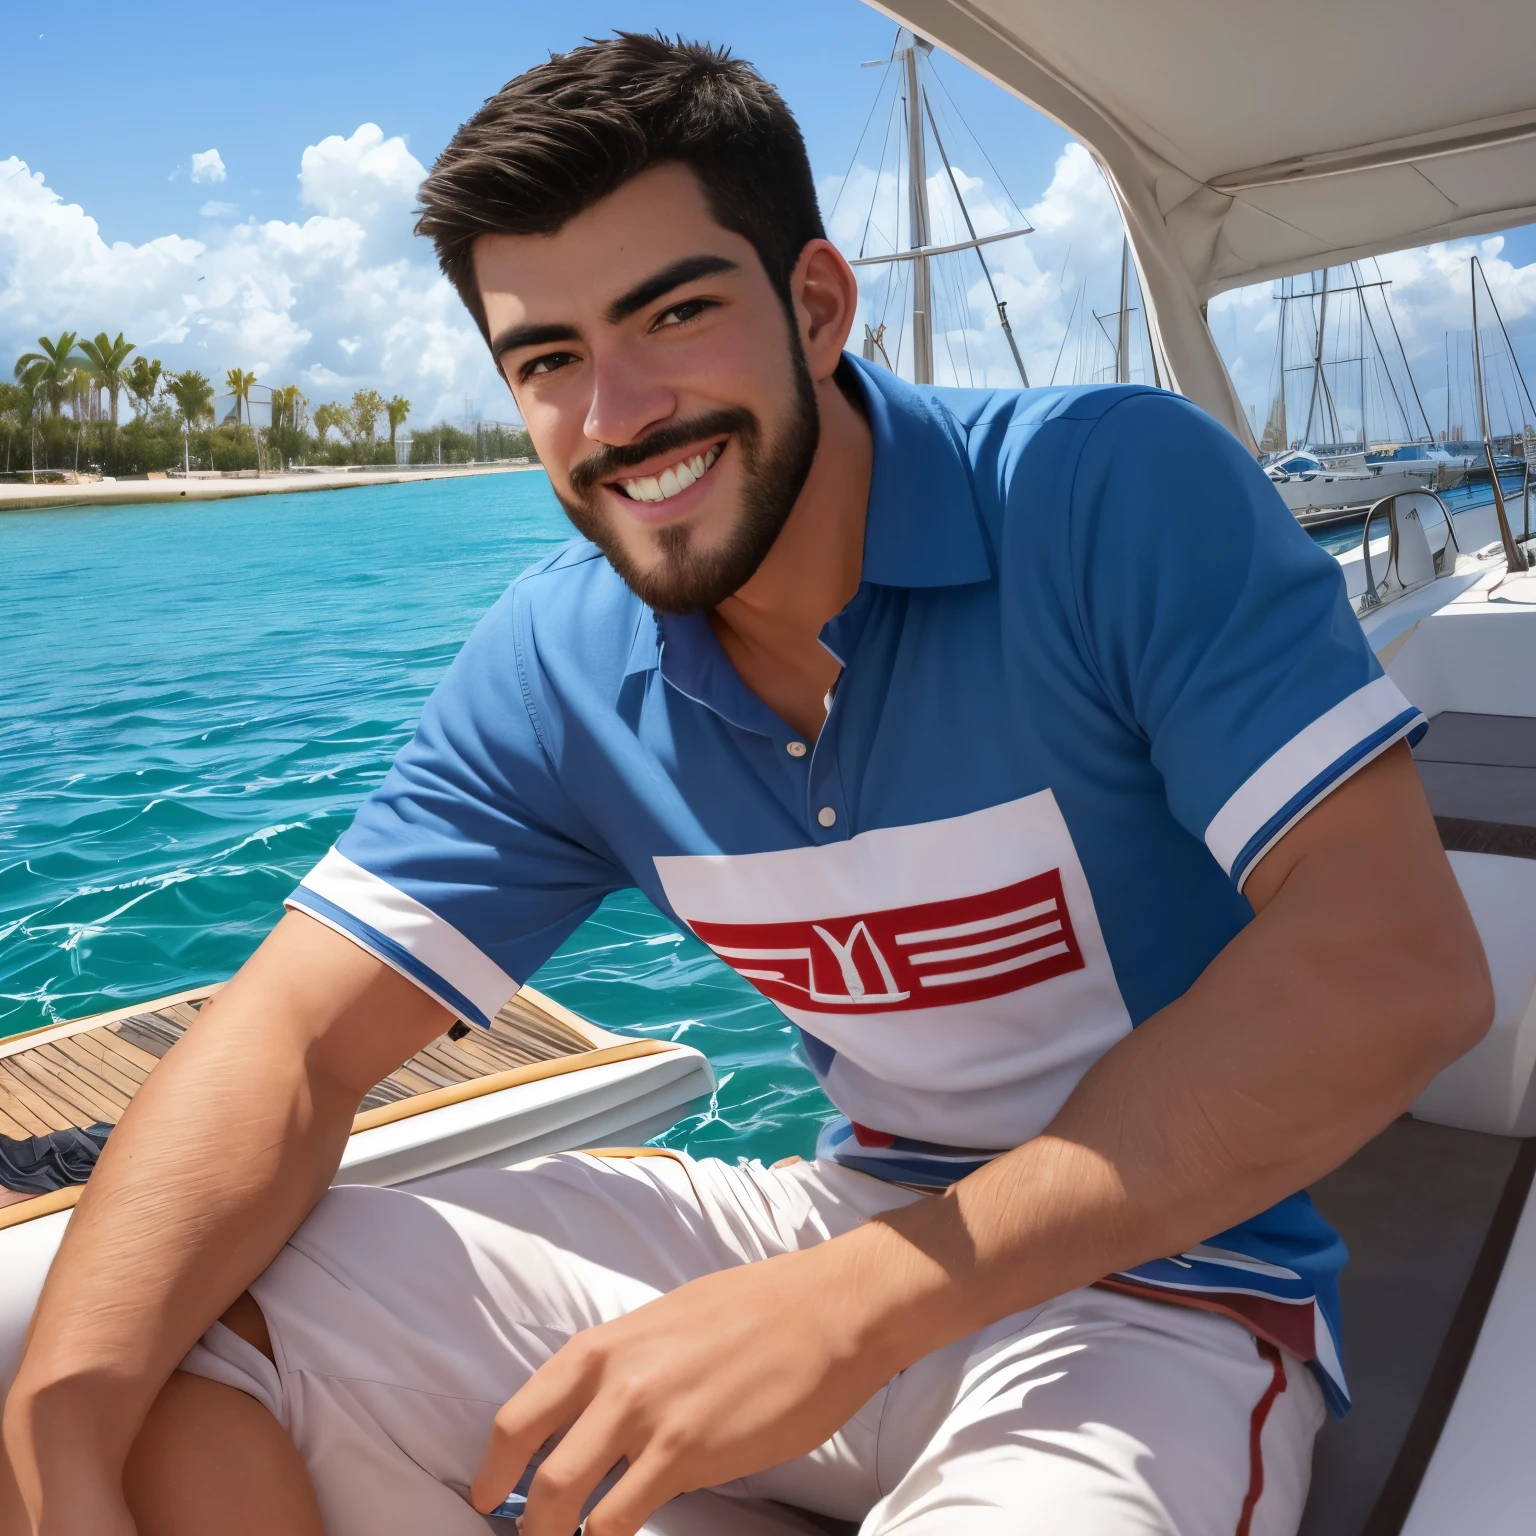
<point x="1067" y="814"/>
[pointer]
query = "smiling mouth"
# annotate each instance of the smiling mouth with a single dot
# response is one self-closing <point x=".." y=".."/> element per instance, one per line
<point x="673" y="479"/>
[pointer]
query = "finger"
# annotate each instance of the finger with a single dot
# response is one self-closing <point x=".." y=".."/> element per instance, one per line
<point x="566" y="1478"/>
<point x="652" y="1481"/>
<point x="547" y="1404"/>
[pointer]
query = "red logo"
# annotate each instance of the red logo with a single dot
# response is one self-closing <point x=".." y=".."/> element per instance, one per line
<point x="941" y="952"/>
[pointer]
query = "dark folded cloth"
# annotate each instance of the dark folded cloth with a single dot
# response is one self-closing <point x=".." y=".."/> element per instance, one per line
<point x="34" y="1165"/>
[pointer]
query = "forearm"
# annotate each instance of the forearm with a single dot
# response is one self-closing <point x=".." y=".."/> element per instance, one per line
<point x="224" y="1150"/>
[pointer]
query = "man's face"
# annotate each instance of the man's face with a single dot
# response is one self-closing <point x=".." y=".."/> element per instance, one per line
<point x="661" y="382"/>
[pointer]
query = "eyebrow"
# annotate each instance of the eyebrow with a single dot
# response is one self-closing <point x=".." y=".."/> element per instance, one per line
<point x="689" y="269"/>
<point x="516" y="336"/>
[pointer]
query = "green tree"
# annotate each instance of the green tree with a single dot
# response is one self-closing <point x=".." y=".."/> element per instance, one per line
<point x="142" y="381"/>
<point x="51" y="372"/>
<point x="328" y="415"/>
<point x="363" y="415"/>
<point x="240" y="383"/>
<point x="108" y="360"/>
<point x="290" y="409"/>
<point x="397" y="409"/>
<point x="193" y="393"/>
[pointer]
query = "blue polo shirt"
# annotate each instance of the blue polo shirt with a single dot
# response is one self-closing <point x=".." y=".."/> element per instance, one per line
<point x="1079" y="702"/>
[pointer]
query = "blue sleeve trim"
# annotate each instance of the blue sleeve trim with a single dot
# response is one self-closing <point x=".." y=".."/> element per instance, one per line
<point x="392" y="954"/>
<point x="1410" y="721"/>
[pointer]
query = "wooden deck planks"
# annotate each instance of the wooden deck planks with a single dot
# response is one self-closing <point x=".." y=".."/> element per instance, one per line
<point x="90" y="1077"/>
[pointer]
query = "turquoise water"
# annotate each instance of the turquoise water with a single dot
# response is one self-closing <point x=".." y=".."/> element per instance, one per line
<point x="195" y="699"/>
<point x="1340" y="537"/>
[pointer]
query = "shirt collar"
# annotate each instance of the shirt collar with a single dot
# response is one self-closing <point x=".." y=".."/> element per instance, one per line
<point x="922" y="528"/>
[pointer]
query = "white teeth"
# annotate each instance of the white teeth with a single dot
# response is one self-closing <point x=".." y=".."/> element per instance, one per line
<point x="675" y="478"/>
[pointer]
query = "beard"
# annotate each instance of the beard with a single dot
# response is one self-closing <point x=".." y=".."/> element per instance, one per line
<point x="686" y="579"/>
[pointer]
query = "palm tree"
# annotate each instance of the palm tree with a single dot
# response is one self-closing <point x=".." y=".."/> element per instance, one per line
<point x="50" y="372"/>
<point x="240" y="387"/>
<point x="193" y="393"/>
<point x="397" y="409"/>
<point x="108" y="360"/>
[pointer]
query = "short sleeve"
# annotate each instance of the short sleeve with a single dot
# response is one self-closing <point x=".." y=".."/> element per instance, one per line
<point x="467" y="868"/>
<point x="1221" y="631"/>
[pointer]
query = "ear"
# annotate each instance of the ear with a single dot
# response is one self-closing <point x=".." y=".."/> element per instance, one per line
<point x="825" y="295"/>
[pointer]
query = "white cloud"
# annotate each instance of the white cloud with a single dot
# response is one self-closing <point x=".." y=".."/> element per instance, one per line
<point x="341" y="299"/>
<point x="208" y="165"/>
<point x="216" y="210"/>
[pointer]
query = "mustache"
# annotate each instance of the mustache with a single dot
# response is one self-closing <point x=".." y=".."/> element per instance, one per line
<point x="612" y="459"/>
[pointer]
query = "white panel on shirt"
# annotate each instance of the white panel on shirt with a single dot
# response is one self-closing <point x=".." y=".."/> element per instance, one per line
<point x="956" y="966"/>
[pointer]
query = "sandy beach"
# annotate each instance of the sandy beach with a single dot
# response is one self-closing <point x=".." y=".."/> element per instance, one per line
<point x="107" y="493"/>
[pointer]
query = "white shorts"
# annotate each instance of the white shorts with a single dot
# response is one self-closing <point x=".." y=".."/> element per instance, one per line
<point x="402" y="1320"/>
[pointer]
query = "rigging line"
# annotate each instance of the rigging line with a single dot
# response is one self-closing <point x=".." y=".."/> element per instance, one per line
<point x="986" y="271"/>
<point x="860" y="143"/>
<point x="1413" y="383"/>
<point x="1018" y="207"/>
<point x="874" y="196"/>
<point x="1507" y="342"/>
<point x="1060" y="351"/>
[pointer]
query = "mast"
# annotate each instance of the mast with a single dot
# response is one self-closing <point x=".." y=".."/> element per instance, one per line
<point x="917" y="202"/>
<point x="1514" y="556"/>
<point x="1317" y="362"/>
<point x="1123" y="331"/>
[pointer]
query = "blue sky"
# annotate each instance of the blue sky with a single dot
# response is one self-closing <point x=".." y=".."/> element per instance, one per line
<point x="288" y="251"/>
<point x="261" y="82"/>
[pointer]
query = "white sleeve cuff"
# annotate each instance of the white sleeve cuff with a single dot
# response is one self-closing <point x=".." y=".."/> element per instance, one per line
<point x="1310" y="765"/>
<point x="406" y="936"/>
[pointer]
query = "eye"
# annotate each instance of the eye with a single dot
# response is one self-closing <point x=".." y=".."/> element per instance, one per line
<point x="681" y="314"/>
<point x="548" y="362"/>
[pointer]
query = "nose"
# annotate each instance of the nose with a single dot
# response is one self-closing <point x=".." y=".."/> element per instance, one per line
<point x="627" y="401"/>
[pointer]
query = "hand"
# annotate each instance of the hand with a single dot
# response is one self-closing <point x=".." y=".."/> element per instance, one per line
<point x="721" y="1378"/>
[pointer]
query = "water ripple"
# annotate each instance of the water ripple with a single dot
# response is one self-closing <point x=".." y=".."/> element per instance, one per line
<point x="195" y="700"/>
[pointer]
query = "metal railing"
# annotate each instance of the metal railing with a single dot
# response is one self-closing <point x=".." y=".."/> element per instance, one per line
<point x="1374" y="596"/>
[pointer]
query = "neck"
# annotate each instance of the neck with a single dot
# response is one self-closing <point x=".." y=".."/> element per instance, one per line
<point x="770" y="627"/>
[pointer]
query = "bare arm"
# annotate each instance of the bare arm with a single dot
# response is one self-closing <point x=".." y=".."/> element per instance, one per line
<point x="229" y="1144"/>
<point x="1360" y="978"/>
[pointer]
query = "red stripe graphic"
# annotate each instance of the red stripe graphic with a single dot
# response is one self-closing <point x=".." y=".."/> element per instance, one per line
<point x="926" y="956"/>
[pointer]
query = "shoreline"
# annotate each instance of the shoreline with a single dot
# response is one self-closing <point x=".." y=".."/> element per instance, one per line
<point x="119" y="493"/>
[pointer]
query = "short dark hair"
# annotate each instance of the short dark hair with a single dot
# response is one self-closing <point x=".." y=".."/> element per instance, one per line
<point x="565" y="134"/>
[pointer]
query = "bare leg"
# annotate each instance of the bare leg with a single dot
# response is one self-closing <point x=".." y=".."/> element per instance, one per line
<point x="211" y="1458"/>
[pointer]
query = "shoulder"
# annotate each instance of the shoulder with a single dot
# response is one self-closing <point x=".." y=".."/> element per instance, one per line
<point x="1046" y="461"/>
<point x="1046" y="437"/>
<point x="568" y="616"/>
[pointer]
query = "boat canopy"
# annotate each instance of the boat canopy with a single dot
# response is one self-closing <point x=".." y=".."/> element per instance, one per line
<point x="1245" y="141"/>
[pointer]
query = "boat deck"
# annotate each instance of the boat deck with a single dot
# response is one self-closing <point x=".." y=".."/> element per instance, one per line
<point x="85" y="1073"/>
<point x="1479" y="772"/>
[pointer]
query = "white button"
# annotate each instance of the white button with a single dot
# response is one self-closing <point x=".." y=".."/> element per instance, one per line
<point x="795" y="748"/>
<point x="826" y="816"/>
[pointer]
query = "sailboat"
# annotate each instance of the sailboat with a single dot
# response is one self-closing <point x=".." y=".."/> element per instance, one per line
<point x="1322" y="470"/>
